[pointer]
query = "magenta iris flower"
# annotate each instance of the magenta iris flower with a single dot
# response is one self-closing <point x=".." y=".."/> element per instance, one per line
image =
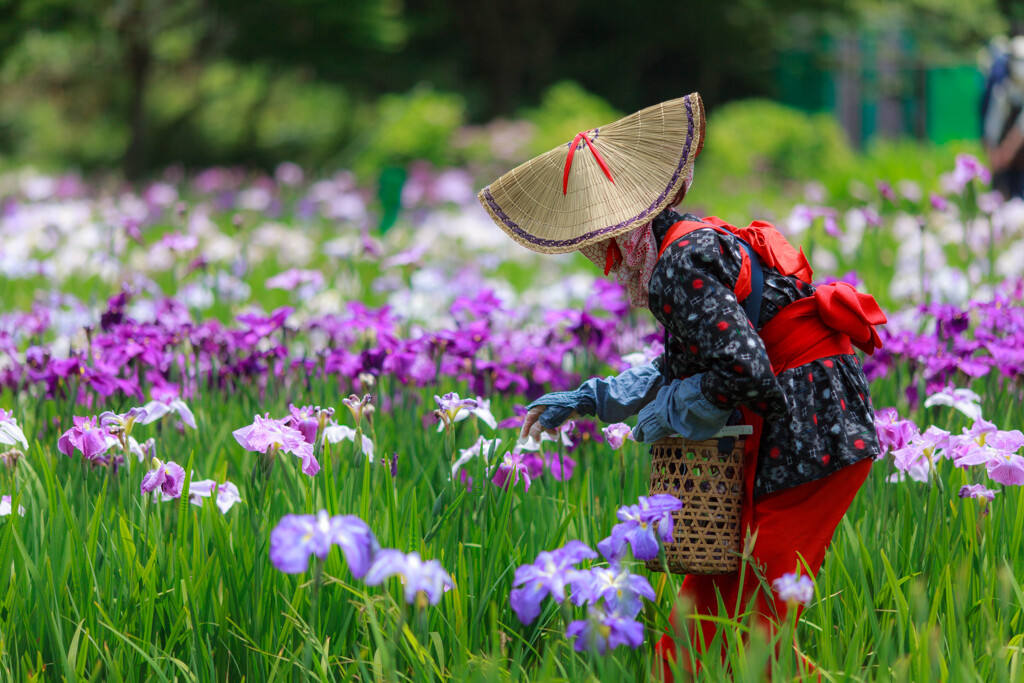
<point x="296" y="537"/>
<point x="794" y="589"/>
<point x="428" y="579"/>
<point x="620" y="590"/>
<point x="265" y="435"/>
<point x="510" y="470"/>
<point x="893" y="432"/>
<point x="600" y="632"/>
<point x="306" y="420"/>
<point x="638" y="524"/>
<point x="548" y="575"/>
<point x="86" y="436"/>
<point x="167" y="477"/>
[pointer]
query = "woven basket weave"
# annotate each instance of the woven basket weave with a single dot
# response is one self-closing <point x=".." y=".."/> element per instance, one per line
<point x="707" y="476"/>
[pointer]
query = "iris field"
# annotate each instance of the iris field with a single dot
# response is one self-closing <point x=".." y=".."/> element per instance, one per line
<point x="247" y="436"/>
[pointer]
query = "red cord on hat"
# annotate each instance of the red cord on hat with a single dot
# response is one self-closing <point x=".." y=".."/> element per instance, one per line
<point x="572" y="151"/>
<point x="613" y="257"/>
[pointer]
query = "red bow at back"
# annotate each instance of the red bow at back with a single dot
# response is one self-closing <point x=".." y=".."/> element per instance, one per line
<point x="854" y="313"/>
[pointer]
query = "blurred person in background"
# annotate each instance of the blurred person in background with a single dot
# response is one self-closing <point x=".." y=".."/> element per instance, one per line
<point x="1002" y="113"/>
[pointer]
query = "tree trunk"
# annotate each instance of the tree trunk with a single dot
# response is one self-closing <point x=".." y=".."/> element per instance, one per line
<point x="140" y="61"/>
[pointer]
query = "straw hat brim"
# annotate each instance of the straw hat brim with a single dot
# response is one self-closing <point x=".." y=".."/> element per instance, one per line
<point x="649" y="156"/>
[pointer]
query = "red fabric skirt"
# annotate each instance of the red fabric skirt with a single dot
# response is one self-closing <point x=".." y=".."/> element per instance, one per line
<point x="795" y="526"/>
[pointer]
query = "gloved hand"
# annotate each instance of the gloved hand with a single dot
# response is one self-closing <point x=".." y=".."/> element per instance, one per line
<point x="612" y="399"/>
<point x="680" y="408"/>
<point x="539" y="417"/>
<point x="551" y="411"/>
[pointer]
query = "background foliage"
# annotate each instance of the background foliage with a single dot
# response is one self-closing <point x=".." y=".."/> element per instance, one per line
<point x="146" y="83"/>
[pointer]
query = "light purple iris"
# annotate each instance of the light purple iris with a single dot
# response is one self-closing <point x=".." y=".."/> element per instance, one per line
<point x="617" y="434"/>
<point x="358" y="406"/>
<point x="296" y="537"/>
<point x="6" y="507"/>
<point x="481" y="449"/>
<point x="600" y="632"/>
<point x="336" y="433"/>
<point x="964" y="400"/>
<point x="452" y="409"/>
<point x="225" y="494"/>
<point x="265" y="435"/>
<point x="157" y="409"/>
<point x="794" y="589"/>
<point x="10" y="432"/>
<point x="977" y="491"/>
<point x="548" y="575"/>
<point x="620" y="590"/>
<point x="122" y="423"/>
<point x="966" y="169"/>
<point x="638" y="527"/>
<point x="167" y="477"/>
<point x="86" y="436"/>
<point x="1006" y="468"/>
<point x="510" y="470"/>
<point x="428" y="579"/>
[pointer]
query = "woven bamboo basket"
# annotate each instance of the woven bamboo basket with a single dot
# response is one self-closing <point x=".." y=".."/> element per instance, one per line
<point x="707" y="476"/>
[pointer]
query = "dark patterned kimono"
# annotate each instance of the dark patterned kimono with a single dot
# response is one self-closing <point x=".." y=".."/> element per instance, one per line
<point x="818" y="417"/>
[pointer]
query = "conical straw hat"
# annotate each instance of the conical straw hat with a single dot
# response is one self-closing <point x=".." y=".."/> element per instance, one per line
<point x="564" y="199"/>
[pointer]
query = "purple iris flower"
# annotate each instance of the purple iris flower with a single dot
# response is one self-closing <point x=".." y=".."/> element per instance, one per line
<point x="86" y="436"/>
<point x="638" y="527"/>
<point x="600" y="632"/>
<point x="620" y="590"/>
<point x="977" y="491"/>
<point x="265" y="435"/>
<point x="306" y="420"/>
<point x="426" y="579"/>
<point x="296" y="537"/>
<point x="122" y="423"/>
<point x="168" y="477"/>
<point x="794" y="589"/>
<point x="548" y="575"/>
<point x="893" y="433"/>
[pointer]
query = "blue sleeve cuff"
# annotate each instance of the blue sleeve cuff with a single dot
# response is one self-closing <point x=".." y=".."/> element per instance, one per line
<point x="681" y="408"/>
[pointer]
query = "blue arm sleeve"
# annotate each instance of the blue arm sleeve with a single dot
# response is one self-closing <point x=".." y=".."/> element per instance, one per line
<point x="612" y="399"/>
<point x="680" y="408"/>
